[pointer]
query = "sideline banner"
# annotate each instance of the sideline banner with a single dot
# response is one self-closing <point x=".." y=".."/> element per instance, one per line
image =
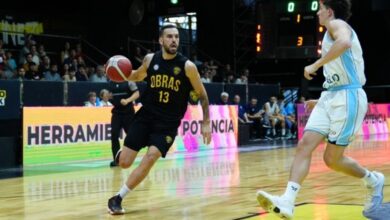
<point x="376" y="121"/>
<point x="67" y="134"/>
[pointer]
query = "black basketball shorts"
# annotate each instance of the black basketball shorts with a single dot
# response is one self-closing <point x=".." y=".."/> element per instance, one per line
<point x="148" y="129"/>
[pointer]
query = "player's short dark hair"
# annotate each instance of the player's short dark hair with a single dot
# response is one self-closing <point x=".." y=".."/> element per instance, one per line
<point x="341" y="8"/>
<point x="166" y="27"/>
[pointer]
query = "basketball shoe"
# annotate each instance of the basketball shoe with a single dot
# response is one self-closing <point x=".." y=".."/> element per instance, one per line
<point x="115" y="206"/>
<point x="375" y="193"/>
<point x="275" y="204"/>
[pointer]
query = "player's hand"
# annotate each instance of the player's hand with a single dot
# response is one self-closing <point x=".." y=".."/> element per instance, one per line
<point x="206" y="132"/>
<point x="309" y="105"/>
<point x="310" y="71"/>
<point x="124" y="102"/>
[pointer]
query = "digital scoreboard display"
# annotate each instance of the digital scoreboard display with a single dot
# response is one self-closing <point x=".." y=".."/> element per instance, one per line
<point x="289" y="29"/>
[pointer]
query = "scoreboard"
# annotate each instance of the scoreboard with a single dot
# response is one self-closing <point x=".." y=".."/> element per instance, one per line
<point x="288" y="29"/>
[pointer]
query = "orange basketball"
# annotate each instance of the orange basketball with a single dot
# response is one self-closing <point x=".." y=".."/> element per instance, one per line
<point x="118" y="68"/>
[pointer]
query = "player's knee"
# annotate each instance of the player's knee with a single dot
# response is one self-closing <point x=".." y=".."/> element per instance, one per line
<point x="152" y="157"/>
<point x="331" y="161"/>
<point x="303" y="146"/>
<point x="124" y="164"/>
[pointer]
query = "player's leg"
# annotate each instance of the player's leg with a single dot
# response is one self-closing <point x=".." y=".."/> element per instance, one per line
<point x="144" y="167"/>
<point x="316" y="129"/>
<point x="136" y="138"/>
<point x="346" y="121"/>
<point x="115" y="129"/>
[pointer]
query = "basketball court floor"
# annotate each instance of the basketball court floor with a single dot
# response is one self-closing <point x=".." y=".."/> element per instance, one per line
<point x="214" y="184"/>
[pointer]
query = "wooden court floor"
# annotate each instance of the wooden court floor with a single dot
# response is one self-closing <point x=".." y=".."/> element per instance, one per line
<point x="219" y="184"/>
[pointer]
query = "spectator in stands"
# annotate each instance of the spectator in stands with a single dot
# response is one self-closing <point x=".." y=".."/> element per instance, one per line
<point x="7" y="65"/>
<point x="2" y="64"/>
<point x="65" y="70"/>
<point x="41" y="51"/>
<point x="92" y="101"/>
<point x="69" y="60"/>
<point x="99" y="76"/>
<point x="65" y="53"/>
<point x="33" y="73"/>
<point x="45" y="65"/>
<point x="242" y="80"/>
<point x="29" y="62"/>
<point x="230" y="79"/>
<point x="105" y="95"/>
<point x="24" y="52"/>
<point x="20" y="75"/>
<point x="255" y="115"/>
<point x="291" y="122"/>
<point x="205" y="76"/>
<point x="224" y="100"/>
<point x="35" y="55"/>
<point x="81" y="74"/>
<point x="275" y="117"/>
<point x="52" y="74"/>
<point x="242" y="116"/>
<point x="70" y="76"/>
<point x="79" y="51"/>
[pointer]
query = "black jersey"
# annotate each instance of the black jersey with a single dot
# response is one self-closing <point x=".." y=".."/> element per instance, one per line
<point x="122" y="91"/>
<point x="168" y="87"/>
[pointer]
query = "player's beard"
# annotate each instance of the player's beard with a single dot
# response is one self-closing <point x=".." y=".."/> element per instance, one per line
<point x="169" y="50"/>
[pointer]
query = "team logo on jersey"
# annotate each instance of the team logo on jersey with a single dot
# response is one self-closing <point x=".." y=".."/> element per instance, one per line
<point x="194" y="96"/>
<point x="168" y="139"/>
<point x="155" y="67"/>
<point x="176" y="70"/>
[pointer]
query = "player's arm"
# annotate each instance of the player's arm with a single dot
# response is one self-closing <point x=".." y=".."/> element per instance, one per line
<point x="140" y="73"/>
<point x="341" y="34"/>
<point x="194" y="77"/>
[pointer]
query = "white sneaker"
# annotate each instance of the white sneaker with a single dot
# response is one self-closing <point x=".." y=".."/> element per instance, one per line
<point x="275" y="204"/>
<point x="375" y="194"/>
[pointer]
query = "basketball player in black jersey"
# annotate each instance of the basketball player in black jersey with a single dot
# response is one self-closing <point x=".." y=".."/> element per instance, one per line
<point x="170" y="77"/>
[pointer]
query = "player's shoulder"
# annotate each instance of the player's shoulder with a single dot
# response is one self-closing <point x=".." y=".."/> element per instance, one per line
<point x="337" y="24"/>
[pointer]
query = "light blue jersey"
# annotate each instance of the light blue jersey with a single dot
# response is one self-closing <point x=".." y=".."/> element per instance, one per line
<point x="346" y="71"/>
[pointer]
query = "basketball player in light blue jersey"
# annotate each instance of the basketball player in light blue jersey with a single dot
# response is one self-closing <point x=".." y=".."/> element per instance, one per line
<point x="336" y="116"/>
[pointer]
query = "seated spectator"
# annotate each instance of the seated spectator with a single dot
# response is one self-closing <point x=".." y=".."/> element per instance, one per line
<point x="20" y="75"/>
<point x="242" y="80"/>
<point x="41" y="51"/>
<point x="255" y="115"/>
<point x="35" y="55"/>
<point x="65" y="53"/>
<point x="206" y="76"/>
<point x="81" y="74"/>
<point x="52" y="74"/>
<point x="7" y="64"/>
<point x="45" y="65"/>
<point x="242" y="116"/>
<point x="275" y="117"/>
<point x="224" y="99"/>
<point x="291" y="122"/>
<point x="29" y="61"/>
<point x="92" y="101"/>
<point x="99" y="76"/>
<point x="33" y="73"/>
<point x="105" y="95"/>
<point x="71" y="76"/>
<point x="230" y="79"/>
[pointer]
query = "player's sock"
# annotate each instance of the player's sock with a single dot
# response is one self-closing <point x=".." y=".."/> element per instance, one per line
<point x="370" y="179"/>
<point x="274" y="131"/>
<point x="283" y="131"/>
<point x="124" y="191"/>
<point x="291" y="192"/>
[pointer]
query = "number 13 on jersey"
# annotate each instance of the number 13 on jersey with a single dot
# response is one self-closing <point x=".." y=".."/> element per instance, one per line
<point x="164" y="96"/>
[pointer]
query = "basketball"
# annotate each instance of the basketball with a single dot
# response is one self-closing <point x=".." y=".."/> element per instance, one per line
<point x="118" y="68"/>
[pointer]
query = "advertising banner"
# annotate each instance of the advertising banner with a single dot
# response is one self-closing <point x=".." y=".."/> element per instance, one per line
<point x="68" y="134"/>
